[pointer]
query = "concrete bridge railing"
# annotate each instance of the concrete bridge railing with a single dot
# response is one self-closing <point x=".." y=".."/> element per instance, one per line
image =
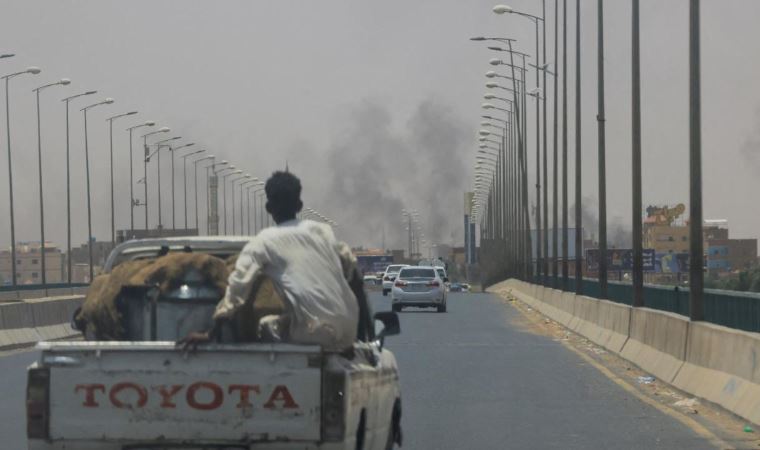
<point x="27" y="322"/>
<point x="714" y="362"/>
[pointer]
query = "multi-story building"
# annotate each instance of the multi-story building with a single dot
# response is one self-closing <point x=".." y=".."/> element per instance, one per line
<point x="724" y="254"/>
<point x="29" y="264"/>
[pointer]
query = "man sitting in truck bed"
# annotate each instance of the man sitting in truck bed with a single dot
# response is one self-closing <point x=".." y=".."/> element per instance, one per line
<point x="308" y="267"/>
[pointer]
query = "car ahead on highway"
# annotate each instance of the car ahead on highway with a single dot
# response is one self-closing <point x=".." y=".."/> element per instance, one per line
<point x="419" y="286"/>
<point x="390" y="276"/>
<point x="143" y="393"/>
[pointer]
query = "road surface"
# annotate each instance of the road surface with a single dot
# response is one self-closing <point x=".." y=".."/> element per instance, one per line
<point x="472" y="378"/>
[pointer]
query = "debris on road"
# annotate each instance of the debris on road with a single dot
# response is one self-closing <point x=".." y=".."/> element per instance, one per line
<point x="687" y="403"/>
<point x="646" y="380"/>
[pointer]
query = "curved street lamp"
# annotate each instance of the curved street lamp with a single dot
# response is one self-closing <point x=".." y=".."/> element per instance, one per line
<point x="34" y="71"/>
<point x="61" y="82"/>
<point x="172" y="151"/>
<point x="84" y="110"/>
<point x="68" y="183"/>
<point x="110" y="137"/>
<point x="132" y="201"/>
<point x="184" y="179"/>
<point x="146" y="158"/>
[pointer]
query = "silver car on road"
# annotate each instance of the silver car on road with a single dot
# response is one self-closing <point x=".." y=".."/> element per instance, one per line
<point x="419" y="286"/>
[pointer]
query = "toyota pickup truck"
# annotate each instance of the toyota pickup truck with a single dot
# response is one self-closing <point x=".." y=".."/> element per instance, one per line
<point x="146" y="394"/>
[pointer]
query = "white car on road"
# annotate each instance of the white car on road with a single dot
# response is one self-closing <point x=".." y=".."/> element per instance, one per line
<point x="419" y="286"/>
<point x="390" y="276"/>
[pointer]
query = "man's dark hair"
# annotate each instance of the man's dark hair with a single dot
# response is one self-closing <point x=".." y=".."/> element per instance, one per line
<point x="283" y="191"/>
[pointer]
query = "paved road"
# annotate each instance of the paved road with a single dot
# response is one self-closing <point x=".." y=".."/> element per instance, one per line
<point x="471" y="379"/>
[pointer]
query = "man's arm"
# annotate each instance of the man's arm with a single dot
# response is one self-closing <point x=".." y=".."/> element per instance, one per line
<point x="240" y="282"/>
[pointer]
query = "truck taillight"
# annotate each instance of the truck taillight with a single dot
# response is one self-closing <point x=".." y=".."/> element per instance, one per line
<point x="334" y="405"/>
<point x="38" y="403"/>
<point x="400" y="283"/>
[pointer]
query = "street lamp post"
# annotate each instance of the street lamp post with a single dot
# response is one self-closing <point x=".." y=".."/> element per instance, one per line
<point x="174" y="215"/>
<point x="34" y="71"/>
<point x="578" y="198"/>
<point x="224" y="195"/>
<point x="195" y="180"/>
<point x="696" y="246"/>
<point x="68" y="184"/>
<point x="149" y="123"/>
<point x="146" y="158"/>
<point x="232" y="187"/>
<point x="261" y="196"/>
<point x="555" y="166"/>
<point x="256" y="190"/>
<point x="638" y="256"/>
<point x="565" y="274"/>
<point x="213" y="200"/>
<point x="84" y="110"/>
<point x="184" y="180"/>
<point x="110" y="138"/>
<point x="62" y="82"/>
<point x="501" y="9"/>
<point x="157" y="152"/>
<point x="248" y="206"/>
<point x="602" y="165"/>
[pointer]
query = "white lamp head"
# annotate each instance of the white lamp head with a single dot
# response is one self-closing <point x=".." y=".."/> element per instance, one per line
<point x="108" y="100"/>
<point x="64" y="81"/>
<point x="490" y="74"/>
<point x="502" y="9"/>
<point x="164" y="129"/>
<point x="491" y="85"/>
<point x="484" y="132"/>
<point x="34" y="70"/>
<point x="489" y="96"/>
<point x="150" y="123"/>
<point x="494" y="62"/>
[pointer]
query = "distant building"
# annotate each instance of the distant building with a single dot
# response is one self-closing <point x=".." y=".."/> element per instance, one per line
<point x="81" y="256"/>
<point x="29" y="264"/>
<point x="724" y="254"/>
<point x="666" y="238"/>
<point x="728" y="255"/>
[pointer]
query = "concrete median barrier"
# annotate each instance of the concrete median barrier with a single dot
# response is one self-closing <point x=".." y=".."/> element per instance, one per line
<point x="657" y="342"/>
<point x="25" y="323"/>
<point x="722" y="366"/>
<point x="710" y="361"/>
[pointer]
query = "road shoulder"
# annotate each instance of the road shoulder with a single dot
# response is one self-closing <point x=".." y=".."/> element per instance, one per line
<point x="721" y="428"/>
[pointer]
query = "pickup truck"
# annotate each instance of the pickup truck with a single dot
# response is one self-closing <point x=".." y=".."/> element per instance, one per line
<point x="145" y="394"/>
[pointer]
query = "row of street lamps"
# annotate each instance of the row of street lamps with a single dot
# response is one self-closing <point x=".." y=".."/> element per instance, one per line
<point x="151" y="150"/>
<point x="500" y="191"/>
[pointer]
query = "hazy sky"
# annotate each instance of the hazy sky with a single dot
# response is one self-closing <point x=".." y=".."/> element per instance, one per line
<point x="376" y="105"/>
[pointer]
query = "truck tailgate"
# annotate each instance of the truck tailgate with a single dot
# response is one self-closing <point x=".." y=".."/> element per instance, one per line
<point x="151" y="392"/>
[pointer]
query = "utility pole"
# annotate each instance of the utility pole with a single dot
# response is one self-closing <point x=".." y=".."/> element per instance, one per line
<point x="696" y="256"/>
<point x="555" y="168"/>
<point x="602" y="166"/>
<point x="578" y="198"/>
<point x="565" y="275"/>
<point x="638" y="252"/>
